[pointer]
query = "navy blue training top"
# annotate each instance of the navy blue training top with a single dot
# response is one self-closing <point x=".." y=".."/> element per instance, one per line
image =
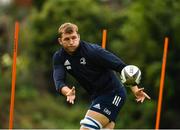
<point x="91" y="66"/>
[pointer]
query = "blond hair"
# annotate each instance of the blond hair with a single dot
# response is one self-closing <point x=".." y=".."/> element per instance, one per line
<point x="67" y="28"/>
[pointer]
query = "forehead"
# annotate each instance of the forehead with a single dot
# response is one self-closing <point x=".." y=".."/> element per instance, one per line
<point x="65" y="35"/>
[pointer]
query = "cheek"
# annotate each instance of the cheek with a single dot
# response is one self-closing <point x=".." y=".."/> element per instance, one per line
<point x="64" y="45"/>
<point x="77" y="41"/>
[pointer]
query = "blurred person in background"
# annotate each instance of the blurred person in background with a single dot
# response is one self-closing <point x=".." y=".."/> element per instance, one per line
<point x="93" y="68"/>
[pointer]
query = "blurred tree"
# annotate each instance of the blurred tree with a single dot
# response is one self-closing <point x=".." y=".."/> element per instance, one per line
<point x="136" y="31"/>
<point x="140" y="26"/>
<point x="91" y="22"/>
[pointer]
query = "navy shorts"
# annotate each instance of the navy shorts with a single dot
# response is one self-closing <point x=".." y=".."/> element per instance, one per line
<point x="109" y="104"/>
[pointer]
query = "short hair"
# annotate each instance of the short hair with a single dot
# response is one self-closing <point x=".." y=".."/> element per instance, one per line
<point x="67" y="28"/>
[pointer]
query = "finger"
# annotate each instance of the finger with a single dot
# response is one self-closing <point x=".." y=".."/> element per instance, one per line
<point x="138" y="99"/>
<point x="72" y="101"/>
<point x="148" y="97"/>
<point x="142" y="100"/>
<point x="73" y="88"/>
<point x="141" y="89"/>
<point x="67" y="99"/>
<point x="70" y="91"/>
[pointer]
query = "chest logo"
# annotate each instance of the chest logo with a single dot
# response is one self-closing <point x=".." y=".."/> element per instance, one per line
<point x="83" y="61"/>
<point x="67" y="64"/>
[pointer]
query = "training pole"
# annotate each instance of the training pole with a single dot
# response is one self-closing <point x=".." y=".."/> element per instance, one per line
<point x="158" y="115"/>
<point x="16" y="33"/>
<point x="104" y="35"/>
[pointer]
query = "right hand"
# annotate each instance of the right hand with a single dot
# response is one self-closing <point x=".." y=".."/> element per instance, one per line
<point x="139" y="94"/>
<point x="71" y="95"/>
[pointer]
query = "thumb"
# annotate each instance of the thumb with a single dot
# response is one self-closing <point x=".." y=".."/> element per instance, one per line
<point x="73" y="89"/>
<point x="70" y="91"/>
<point x="141" y="89"/>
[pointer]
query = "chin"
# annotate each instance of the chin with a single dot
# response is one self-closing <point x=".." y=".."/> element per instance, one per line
<point x="71" y="51"/>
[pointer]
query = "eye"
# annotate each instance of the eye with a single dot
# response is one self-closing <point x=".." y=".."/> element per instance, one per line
<point x="74" y="37"/>
<point x="66" y="39"/>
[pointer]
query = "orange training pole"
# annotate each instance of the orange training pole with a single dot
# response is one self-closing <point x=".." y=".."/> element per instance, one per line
<point x="104" y="35"/>
<point x="13" y="75"/>
<point x="158" y="115"/>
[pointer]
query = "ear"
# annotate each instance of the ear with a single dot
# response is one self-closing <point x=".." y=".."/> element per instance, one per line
<point x="59" y="40"/>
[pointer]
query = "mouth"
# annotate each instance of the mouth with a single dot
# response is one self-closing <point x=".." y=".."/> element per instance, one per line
<point x="72" y="48"/>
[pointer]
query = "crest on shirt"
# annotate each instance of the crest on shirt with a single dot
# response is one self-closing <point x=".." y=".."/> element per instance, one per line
<point x="67" y="64"/>
<point x="83" y="61"/>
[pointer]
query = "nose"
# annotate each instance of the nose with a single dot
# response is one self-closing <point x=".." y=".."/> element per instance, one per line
<point x="71" y="41"/>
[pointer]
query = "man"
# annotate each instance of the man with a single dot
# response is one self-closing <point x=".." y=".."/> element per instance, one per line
<point x="93" y="67"/>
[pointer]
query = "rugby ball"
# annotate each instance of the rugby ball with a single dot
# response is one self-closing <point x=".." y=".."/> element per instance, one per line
<point x="131" y="75"/>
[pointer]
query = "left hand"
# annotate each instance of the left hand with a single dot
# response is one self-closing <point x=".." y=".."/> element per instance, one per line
<point x="141" y="95"/>
<point x="71" y="95"/>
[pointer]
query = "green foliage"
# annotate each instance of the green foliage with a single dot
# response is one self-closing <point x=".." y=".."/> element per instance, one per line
<point x="134" y="115"/>
<point x="49" y="112"/>
<point x="136" y="31"/>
